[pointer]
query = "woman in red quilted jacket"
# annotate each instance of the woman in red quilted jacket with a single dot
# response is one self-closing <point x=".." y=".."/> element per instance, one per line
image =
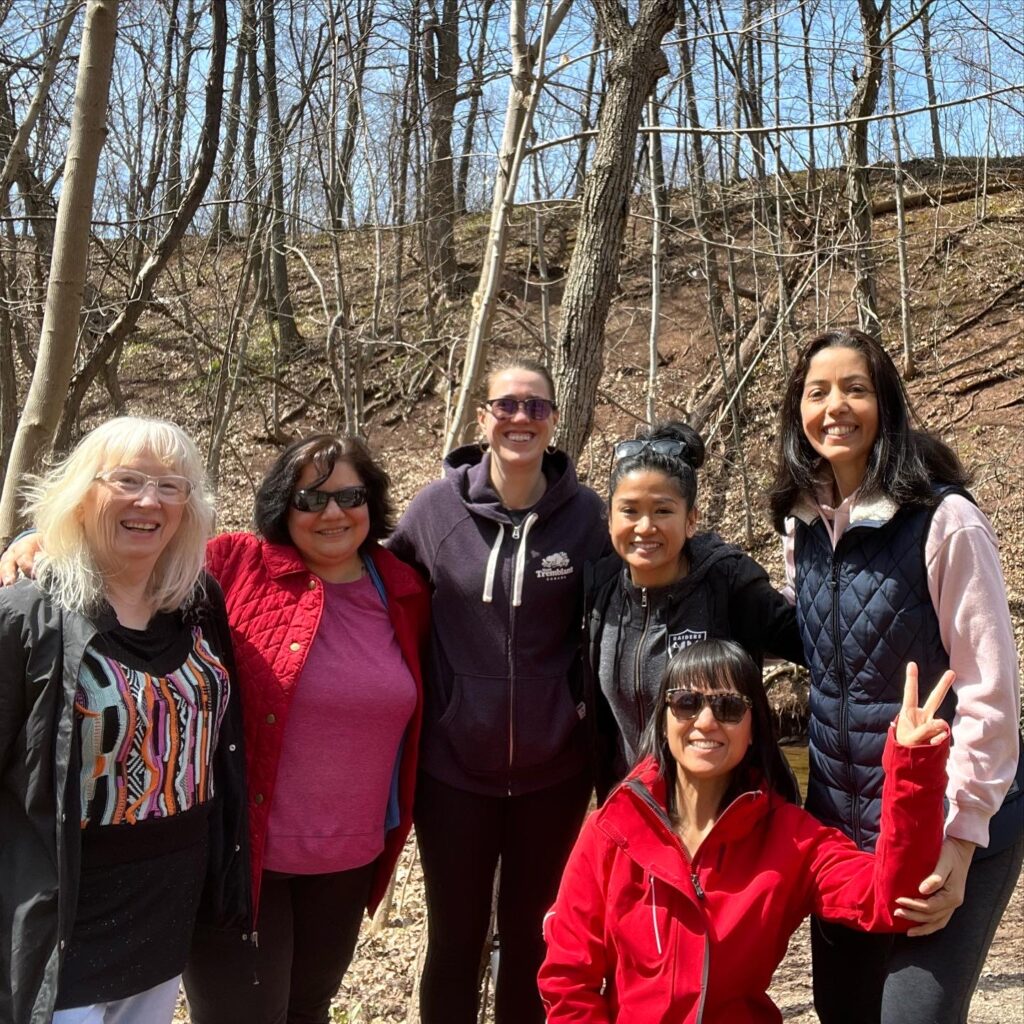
<point x="683" y="890"/>
<point x="327" y="628"/>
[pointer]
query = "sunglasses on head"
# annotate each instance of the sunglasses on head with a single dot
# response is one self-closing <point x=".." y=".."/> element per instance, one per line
<point x="314" y="500"/>
<point x="662" y="446"/>
<point x="506" y="408"/>
<point x="728" y="708"/>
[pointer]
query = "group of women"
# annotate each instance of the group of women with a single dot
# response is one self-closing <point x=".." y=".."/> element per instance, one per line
<point x="243" y="728"/>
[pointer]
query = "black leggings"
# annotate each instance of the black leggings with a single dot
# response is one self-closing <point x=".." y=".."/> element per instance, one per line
<point x="307" y="928"/>
<point x="926" y="979"/>
<point x="461" y="837"/>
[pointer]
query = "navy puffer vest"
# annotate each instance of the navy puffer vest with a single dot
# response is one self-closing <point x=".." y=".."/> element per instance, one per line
<point x="864" y="611"/>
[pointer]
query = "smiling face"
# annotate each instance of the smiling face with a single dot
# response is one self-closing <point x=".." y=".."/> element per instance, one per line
<point x="839" y="412"/>
<point x="127" y="535"/>
<point x="329" y="540"/>
<point x="517" y="442"/>
<point x="649" y="524"/>
<point x="706" y="750"/>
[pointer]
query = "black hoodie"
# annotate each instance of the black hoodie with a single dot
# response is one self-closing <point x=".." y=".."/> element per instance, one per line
<point x="634" y="631"/>
<point x="503" y="689"/>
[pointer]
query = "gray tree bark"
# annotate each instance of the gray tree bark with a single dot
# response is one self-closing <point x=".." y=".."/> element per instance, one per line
<point x="635" y="64"/>
<point x="48" y="389"/>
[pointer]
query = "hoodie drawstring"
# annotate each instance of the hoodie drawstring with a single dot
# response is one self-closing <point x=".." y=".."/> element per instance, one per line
<point x="654" y="916"/>
<point x="492" y="563"/>
<point x="520" y="571"/>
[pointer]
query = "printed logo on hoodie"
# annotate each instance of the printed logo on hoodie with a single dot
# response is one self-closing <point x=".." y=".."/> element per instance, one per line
<point x="555" y="567"/>
<point x="688" y="637"/>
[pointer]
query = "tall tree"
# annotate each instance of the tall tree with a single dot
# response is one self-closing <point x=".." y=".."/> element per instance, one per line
<point x="48" y="389"/>
<point x="635" y="64"/>
<point x="439" y="66"/>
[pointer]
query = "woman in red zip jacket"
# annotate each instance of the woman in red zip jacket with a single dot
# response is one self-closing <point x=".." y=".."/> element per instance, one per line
<point x="680" y="897"/>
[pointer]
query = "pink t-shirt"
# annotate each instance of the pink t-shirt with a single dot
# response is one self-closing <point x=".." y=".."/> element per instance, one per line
<point x="351" y="707"/>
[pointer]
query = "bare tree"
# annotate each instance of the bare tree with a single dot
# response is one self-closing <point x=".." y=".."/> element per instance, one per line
<point x="70" y="256"/>
<point x="636" y="63"/>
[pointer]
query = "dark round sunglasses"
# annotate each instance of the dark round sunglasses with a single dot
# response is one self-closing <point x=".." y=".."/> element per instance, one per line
<point x="728" y="708"/>
<point x="506" y="408"/>
<point x="662" y="446"/>
<point x="315" y="500"/>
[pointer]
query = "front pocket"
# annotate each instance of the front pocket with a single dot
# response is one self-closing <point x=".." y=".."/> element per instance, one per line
<point x="545" y="720"/>
<point x="476" y="723"/>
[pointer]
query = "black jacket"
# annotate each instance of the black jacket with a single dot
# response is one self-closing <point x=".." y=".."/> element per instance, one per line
<point x="41" y="649"/>
<point x="634" y="631"/>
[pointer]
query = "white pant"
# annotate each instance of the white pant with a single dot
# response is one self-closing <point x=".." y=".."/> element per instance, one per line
<point x="154" y="1006"/>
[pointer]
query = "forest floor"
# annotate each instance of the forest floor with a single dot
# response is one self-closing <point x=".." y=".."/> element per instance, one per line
<point x="967" y="296"/>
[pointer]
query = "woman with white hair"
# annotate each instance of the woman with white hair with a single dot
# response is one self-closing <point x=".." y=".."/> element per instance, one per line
<point x="122" y="804"/>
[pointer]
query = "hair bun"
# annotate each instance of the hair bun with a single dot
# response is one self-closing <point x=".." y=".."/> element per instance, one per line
<point x="693" y="452"/>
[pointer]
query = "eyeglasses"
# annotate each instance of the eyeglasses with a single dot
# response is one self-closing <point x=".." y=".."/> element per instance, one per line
<point x="316" y="501"/>
<point x="506" y="408"/>
<point x="131" y="483"/>
<point x="728" y="708"/>
<point x="662" y="446"/>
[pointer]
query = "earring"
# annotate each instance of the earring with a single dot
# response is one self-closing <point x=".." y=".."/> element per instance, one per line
<point x="483" y="445"/>
<point x="551" y="448"/>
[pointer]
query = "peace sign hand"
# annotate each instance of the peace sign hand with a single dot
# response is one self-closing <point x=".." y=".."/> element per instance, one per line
<point x="915" y="725"/>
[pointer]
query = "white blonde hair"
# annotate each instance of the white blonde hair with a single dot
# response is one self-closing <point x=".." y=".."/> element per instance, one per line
<point x="66" y="567"/>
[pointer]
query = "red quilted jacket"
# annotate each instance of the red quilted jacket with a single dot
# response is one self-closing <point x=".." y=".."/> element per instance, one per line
<point x="274" y="605"/>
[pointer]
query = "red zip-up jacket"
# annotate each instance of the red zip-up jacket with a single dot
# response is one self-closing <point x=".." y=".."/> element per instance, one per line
<point x="274" y="604"/>
<point x="642" y="934"/>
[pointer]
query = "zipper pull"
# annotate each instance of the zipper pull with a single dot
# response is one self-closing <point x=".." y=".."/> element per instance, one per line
<point x="643" y="597"/>
<point x="515" y="531"/>
<point x="696" y="886"/>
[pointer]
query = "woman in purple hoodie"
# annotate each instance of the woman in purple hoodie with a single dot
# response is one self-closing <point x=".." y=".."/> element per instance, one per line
<point x="504" y="773"/>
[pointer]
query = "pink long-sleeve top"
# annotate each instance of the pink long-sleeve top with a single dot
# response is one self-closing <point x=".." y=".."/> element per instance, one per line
<point x="965" y="581"/>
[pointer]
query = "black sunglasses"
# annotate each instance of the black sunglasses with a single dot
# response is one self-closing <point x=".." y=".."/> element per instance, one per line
<point x="728" y="708"/>
<point x="662" y="446"/>
<point x="316" y="501"/>
<point x="506" y="408"/>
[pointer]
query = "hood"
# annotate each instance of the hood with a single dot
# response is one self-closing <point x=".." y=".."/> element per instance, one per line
<point x="468" y="470"/>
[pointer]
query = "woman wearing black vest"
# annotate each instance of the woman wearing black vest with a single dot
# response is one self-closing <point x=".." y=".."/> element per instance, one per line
<point x="891" y="561"/>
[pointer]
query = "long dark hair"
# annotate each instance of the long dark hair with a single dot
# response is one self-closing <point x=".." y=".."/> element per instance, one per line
<point x="274" y="497"/>
<point x="905" y="461"/>
<point x="681" y="468"/>
<point x="710" y="665"/>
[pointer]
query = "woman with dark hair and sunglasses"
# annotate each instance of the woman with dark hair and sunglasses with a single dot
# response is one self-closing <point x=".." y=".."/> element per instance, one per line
<point x="327" y="628"/>
<point x="681" y="895"/>
<point x="891" y="560"/>
<point x="504" y="758"/>
<point x="665" y="587"/>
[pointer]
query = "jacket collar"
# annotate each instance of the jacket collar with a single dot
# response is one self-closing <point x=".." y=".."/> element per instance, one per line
<point x="400" y="580"/>
<point x="634" y="818"/>
<point x="875" y="510"/>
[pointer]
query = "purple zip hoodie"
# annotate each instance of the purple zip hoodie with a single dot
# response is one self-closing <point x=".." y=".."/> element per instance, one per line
<point x="503" y="685"/>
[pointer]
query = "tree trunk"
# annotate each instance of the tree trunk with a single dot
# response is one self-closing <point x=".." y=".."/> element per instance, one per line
<point x="48" y="390"/>
<point x="440" y="71"/>
<point x="476" y="91"/>
<point x="283" y="314"/>
<point x="142" y="285"/>
<point x="929" y="81"/>
<point x="221" y="230"/>
<point x="858" y="189"/>
<point x="523" y="93"/>
<point x="636" y="63"/>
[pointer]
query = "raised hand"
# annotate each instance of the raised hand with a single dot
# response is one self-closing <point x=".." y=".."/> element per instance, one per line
<point x="915" y="725"/>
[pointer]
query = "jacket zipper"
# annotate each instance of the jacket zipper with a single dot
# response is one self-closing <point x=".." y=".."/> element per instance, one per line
<point x="637" y="662"/>
<point x="844" y="699"/>
<point x="510" y="654"/>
